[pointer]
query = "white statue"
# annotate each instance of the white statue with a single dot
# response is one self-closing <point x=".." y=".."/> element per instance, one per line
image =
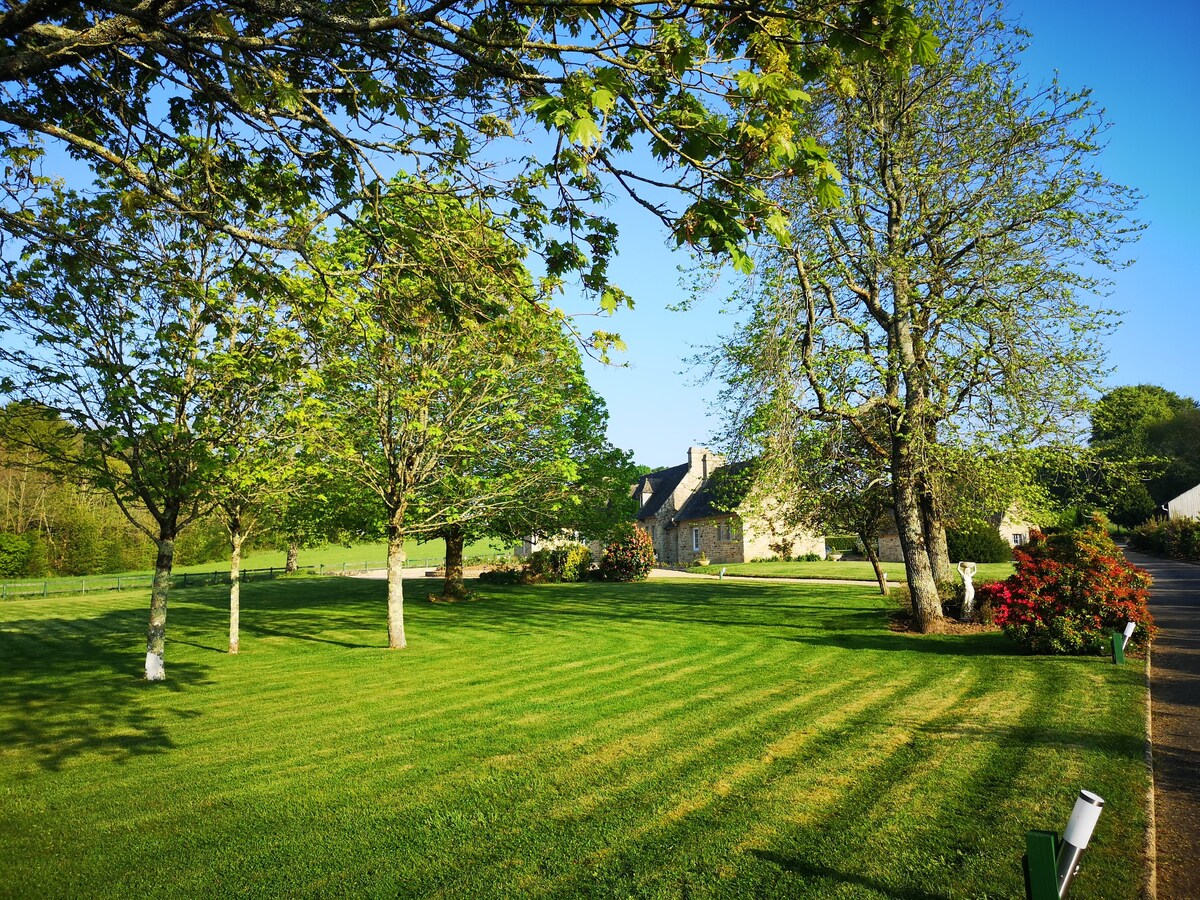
<point x="967" y="571"/>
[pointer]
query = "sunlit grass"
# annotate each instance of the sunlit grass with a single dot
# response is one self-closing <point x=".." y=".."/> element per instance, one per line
<point x="853" y="570"/>
<point x="663" y="739"/>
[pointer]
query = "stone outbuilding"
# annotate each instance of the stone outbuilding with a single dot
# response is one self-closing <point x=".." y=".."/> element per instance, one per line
<point x="692" y="511"/>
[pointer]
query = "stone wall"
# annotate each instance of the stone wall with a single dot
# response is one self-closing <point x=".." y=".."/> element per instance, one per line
<point x="890" y="549"/>
<point x="711" y="534"/>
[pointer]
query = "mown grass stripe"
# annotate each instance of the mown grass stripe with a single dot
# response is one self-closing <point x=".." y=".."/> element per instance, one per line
<point x="656" y="740"/>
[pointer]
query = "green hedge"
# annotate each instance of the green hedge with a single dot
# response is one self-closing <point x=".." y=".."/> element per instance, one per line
<point x="979" y="543"/>
<point x="1173" y="538"/>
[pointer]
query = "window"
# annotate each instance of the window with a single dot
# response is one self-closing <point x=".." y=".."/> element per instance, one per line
<point x="695" y="538"/>
<point x="1018" y="540"/>
<point x="727" y="528"/>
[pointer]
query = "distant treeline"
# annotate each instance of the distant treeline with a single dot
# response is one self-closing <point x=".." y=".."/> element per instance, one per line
<point x="51" y="526"/>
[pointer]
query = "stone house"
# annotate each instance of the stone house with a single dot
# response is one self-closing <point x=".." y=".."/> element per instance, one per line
<point x="681" y="509"/>
<point x="1011" y="524"/>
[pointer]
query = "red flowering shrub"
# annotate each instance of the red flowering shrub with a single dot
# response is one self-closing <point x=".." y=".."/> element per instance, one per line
<point x="628" y="558"/>
<point x="1070" y="592"/>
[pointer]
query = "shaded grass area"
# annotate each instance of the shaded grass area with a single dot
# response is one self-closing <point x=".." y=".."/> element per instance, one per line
<point x="854" y="570"/>
<point x="664" y="739"/>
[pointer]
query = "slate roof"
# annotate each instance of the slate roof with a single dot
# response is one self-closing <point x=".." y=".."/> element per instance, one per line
<point x="661" y="485"/>
<point x="703" y="504"/>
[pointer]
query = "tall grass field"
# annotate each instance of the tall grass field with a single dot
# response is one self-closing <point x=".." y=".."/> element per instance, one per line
<point x="663" y="739"/>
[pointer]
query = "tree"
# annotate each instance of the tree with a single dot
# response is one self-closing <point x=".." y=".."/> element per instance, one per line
<point x="132" y="381"/>
<point x="1148" y="439"/>
<point x="450" y="423"/>
<point x="305" y="102"/>
<point x="943" y="295"/>
<point x="577" y="483"/>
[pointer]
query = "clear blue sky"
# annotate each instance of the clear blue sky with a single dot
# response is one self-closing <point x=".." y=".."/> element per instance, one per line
<point x="1141" y="62"/>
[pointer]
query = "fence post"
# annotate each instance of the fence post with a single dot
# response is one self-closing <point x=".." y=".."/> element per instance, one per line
<point x="45" y="588"/>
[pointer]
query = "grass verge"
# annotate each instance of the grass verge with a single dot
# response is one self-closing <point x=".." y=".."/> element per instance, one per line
<point x="663" y="739"/>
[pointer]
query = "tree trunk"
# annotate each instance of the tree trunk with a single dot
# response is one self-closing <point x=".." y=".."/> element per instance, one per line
<point x="235" y="582"/>
<point x="935" y="538"/>
<point x="156" y="631"/>
<point x="395" y="586"/>
<point x="453" y="587"/>
<point x="926" y="604"/>
<point x="868" y="542"/>
<point x="293" y="554"/>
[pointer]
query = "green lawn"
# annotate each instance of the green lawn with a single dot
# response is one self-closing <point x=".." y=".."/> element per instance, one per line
<point x="374" y="555"/>
<point x="664" y="739"/>
<point x="855" y="570"/>
<point x="332" y="557"/>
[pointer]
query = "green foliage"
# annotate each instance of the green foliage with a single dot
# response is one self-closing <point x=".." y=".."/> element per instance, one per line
<point x="1070" y="592"/>
<point x="842" y="543"/>
<point x="303" y="113"/>
<point x="1172" y="538"/>
<point x="629" y="557"/>
<point x="569" y="563"/>
<point x="14" y="555"/>
<point x="977" y="542"/>
<point x="206" y="541"/>
<point x="502" y="573"/>
<point x="1149" y="437"/>
<point x="1130" y="502"/>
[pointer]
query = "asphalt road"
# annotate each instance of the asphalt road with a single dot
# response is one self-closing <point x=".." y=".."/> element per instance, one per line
<point x="1175" y="715"/>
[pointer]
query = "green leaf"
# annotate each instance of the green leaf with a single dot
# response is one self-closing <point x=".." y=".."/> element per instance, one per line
<point x="223" y="26"/>
<point x="602" y="99"/>
<point x="925" y="48"/>
<point x="747" y="82"/>
<point x="584" y="132"/>
<point x="829" y="192"/>
<point x="776" y="225"/>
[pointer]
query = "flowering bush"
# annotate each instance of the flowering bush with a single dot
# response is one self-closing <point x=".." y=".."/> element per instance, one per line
<point x="1174" y="538"/>
<point x="628" y="558"/>
<point x="1070" y="592"/>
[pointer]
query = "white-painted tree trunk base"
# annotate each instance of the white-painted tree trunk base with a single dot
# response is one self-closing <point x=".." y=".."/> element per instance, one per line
<point x="155" y="671"/>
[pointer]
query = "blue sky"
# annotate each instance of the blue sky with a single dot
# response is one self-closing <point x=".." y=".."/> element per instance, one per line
<point x="1141" y="63"/>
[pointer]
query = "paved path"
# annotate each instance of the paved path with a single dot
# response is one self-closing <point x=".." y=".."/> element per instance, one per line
<point x="1175" y="713"/>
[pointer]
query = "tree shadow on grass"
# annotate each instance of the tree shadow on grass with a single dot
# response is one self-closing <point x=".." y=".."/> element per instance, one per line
<point x="343" y="612"/>
<point x="352" y="612"/>
<point x="71" y="687"/>
<point x="808" y="870"/>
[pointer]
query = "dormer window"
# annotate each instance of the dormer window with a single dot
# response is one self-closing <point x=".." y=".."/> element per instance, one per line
<point x="646" y="493"/>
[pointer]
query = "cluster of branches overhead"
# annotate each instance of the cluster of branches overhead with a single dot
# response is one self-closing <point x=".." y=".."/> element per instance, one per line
<point x="314" y="105"/>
